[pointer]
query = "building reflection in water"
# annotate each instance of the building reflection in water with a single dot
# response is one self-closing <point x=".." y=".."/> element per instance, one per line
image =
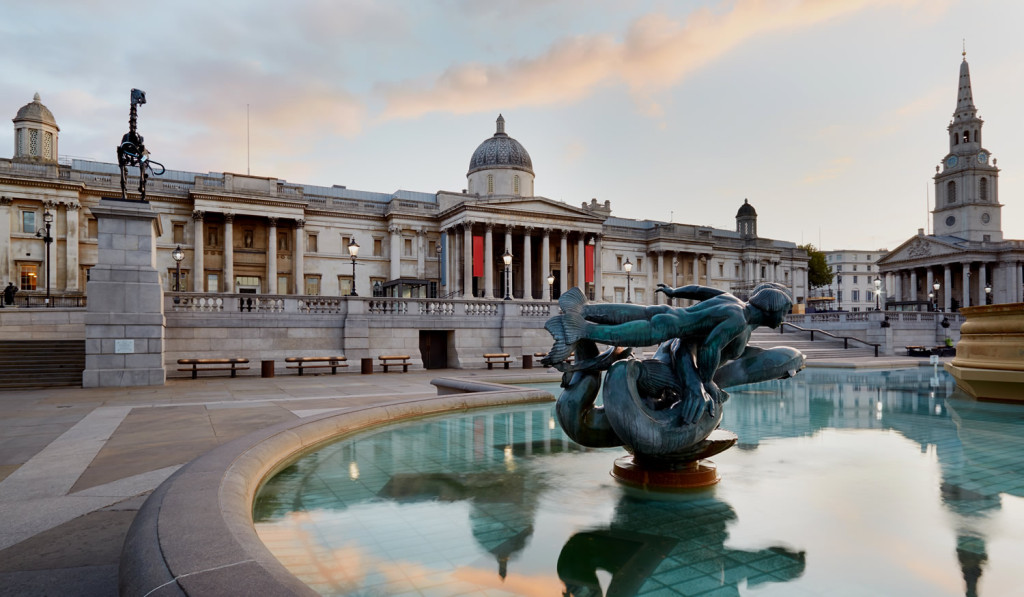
<point x="502" y="500"/>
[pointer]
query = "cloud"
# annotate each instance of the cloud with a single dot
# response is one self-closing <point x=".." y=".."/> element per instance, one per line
<point x="833" y="170"/>
<point x="656" y="52"/>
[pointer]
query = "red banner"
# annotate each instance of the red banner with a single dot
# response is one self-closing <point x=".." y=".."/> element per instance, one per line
<point x="588" y="267"/>
<point x="478" y="257"/>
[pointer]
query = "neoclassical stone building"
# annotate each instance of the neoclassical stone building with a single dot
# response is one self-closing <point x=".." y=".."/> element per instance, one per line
<point x="251" y="234"/>
<point x="967" y="253"/>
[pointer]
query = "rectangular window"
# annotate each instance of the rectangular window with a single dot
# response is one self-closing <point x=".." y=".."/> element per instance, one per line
<point x="639" y="265"/>
<point x="344" y="285"/>
<point x="178" y="232"/>
<point x="282" y="284"/>
<point x="212" y="236"/>
<point x="29" y="276"/>
<point x="313" y="285"/>
<point x="345" y="242"/>
<point x="721" y="269"/>
<point x="91" y="228"/>
<point x="182" y="282"/>
<point x="311" y="244"/>
<point x="736" y="271"/>
<point x="620" y="295"/>
<point x="212" y="282"/>
<point x="855" y="267"/>
<point x="855" y="280"/>
<point x="28" y="222"/>
<point x="432" y="248"/>
<point x="378" y="248"/>
<point x="618" y="262"/>
<point x="855" y="294"/>
<point x="638" y="296"/>
<point x="407" y="247"/>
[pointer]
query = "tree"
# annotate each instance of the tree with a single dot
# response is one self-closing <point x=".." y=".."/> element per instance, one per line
<point x="818" y="272"/>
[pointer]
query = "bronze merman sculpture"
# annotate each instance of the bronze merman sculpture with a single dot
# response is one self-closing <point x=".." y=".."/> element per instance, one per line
<point x="663" y="409"/>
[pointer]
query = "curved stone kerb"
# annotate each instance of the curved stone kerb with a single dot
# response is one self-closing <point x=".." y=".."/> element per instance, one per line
<point x="195" y="534"/>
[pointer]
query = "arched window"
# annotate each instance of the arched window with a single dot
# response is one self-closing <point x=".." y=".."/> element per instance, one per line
<point x="951" y="192"/>
<point x="515" y="184"/>
<point x="490" y="183"/>
<point x="976" y="136"/>
<point x="983" y="189"/>
<point x="967" y="136"/>
<point x="956" y="139"/>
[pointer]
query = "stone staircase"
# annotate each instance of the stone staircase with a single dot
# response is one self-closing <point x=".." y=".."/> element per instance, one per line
<point x="822" y="348"/>
<point x="26" y="364"/>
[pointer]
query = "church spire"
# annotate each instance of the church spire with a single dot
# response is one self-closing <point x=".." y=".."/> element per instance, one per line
<point x="965" y="109"/>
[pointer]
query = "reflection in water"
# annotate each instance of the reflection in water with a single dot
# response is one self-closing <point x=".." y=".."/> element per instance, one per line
<point x="504" y="503"/>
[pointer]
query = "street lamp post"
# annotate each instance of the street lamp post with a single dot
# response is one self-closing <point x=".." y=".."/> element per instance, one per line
<point x="551" y="286"/>
<point x="353" y="250"/>
<point x="839" y="293"/>
<point x="935" y="287"/>
<point x="507" y="258"/>
<point x="628" y="266"/>
<point x="47" y="240"/>
<point x="177" y="255"/>
<point x="878" y="291"/>
<point x="988" y="294"/>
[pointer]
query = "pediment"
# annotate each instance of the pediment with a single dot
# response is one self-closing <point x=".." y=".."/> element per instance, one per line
<point x="526" y="209"/>
<point x="920" y="248"/>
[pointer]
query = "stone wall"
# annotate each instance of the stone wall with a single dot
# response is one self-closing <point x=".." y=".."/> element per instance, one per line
<point x="42" y="324"/>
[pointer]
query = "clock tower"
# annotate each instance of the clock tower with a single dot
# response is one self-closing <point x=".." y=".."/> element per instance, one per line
<point x="967" y="182"/>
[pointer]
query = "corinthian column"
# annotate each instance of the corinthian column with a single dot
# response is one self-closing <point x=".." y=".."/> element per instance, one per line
<point x="272" y="256"/>
<point x="488" y="261"/>
<point x="545" y="263"/>
<point x="528" y="264"/>
<point x="197" y="251"/>
<point x="299" y="257"/>
<point x="71" y="248"/>
<point x="229" y="253"/>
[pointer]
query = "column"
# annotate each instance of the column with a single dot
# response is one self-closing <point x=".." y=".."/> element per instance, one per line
<point x="897" y="280"/>
<point x="528" y="264"/>
<point x="229" y="253"/>
<point x="197" y="251"/>
<point x="913" y="285"/>
<point x="271" y="287"/>
<point x="545" y="263"/>
<point x="564" y="262"/>
<point x="580" y="264"/>
<point x="1019" y="289"/>
<point x="421" y="253"/>
<point x="663" y="275"/>
<point x="966" y="283"/>
<point x="508" y="279"/>
<point x="793" y="275"/>
<point x="947" y="296"/>
<point x="598" y="266"/>
<point x="467" y="264"/>
<point x="488" y="260"/>
<point x="706" y="259"/>
<point x="298" y="262"/>
<point x="396" y="251"/>
<point x="70" y="248"/>
<point x="696" y="268"/>
<point x="982" y="283"/>
<point x="930" y="283"/>
<point x="651" y="299"/>
<point x="7" y="258"/>
<point x="455" y="273"/>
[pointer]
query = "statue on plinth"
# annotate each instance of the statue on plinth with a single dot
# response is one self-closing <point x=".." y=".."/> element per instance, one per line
<point x="132" y="151"/>
<point x="665" y="409"/>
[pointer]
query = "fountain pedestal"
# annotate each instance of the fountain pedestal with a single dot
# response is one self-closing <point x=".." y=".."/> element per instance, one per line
<point x="989" y="363"/>
<point x="654" y="474"/>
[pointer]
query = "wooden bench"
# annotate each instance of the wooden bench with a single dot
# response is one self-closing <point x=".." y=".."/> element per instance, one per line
<point x="497" y="358"/>
<point x="315" y="362"/>
<point x="386" y="361"/>
<point x="197" y="365"/>
<point x="918" y="351"/>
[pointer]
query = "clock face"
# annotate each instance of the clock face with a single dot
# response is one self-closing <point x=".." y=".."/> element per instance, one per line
<point x="951" y="161"/>
<point x="950" y="221"/>
<point x="983" y="158"/>
<point x="985" y="218"/>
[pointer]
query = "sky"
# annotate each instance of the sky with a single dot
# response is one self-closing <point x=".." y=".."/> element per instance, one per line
<point x="829" y="116"/>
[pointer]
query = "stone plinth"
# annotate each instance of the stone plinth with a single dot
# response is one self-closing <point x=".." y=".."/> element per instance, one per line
<point x="989" y="363"/>
<point x="124" y="323"/>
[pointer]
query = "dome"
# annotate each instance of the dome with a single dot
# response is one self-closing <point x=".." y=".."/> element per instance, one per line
<point x="746" y="210"/>
<point x="500" y="151"/>
<point x="36" y="112"/>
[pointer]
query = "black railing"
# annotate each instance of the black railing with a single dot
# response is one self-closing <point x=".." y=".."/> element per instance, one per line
<point x="845" y="339"/>
<point x="35" y="301"/>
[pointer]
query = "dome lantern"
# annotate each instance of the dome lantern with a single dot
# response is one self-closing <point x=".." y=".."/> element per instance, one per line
<point x="500" y="166"/>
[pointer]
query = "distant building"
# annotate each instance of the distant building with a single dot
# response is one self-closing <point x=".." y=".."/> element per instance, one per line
<point x="853" y="279"/>
<point x="967" y="253"/>
<point x="250" y="234"/>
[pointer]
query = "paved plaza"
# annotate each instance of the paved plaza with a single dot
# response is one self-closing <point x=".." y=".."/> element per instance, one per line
<point x="76" y="464"/>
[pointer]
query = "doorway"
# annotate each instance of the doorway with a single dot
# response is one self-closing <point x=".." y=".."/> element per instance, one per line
<point x="434" y="348"/>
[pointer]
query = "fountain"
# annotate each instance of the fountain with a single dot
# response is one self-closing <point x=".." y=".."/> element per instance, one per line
<point x="666" y="410"/>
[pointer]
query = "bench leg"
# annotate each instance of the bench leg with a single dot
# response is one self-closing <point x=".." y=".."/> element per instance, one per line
<point x="233" y="370"/>
<point x="385" y="366"/>
<point x="506" y="365"/>
<point x="334" y="370"/>
<point x="300" y="369"/>
<point x="405" y="367"/>
<point x="195" y="372"/>
<point x="490" y="365"/>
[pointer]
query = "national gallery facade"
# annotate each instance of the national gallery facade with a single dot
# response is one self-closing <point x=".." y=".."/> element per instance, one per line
<point x="238" y="234"/>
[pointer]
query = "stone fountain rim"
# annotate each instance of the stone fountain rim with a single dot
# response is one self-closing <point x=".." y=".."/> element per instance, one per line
<point x="195" y="536"/>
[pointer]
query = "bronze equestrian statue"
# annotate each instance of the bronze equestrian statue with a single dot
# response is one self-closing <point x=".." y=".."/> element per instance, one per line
<point x="132" y="151"/>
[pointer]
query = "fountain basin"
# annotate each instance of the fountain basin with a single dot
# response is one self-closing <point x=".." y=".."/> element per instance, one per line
<point x="989" y="363"/>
